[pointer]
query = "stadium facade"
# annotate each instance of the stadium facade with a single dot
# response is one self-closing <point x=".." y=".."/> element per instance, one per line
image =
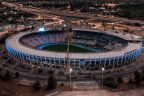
<point x="117" y="49"/>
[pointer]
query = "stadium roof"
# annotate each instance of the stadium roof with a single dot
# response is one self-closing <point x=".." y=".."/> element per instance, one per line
<point x="13" y="42"/>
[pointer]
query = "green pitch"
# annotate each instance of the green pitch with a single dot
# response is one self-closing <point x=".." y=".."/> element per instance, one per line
<point x="63" y="48"/>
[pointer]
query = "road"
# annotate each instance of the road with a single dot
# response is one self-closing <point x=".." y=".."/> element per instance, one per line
<point x="45" y="13"/>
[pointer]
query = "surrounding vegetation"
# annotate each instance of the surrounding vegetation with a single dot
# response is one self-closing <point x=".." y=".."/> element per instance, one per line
<point x="12" y="16"/>
<point x="52" y="81"/>
<point x="36" y="85"/>
<point x="132" y="11"/>
<point x="115" y="82"/>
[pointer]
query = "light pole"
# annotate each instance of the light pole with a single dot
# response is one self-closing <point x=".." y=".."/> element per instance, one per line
<point x="64" y="25"/>
<point x="102" y="75"/>
<point x="70" y="71"/>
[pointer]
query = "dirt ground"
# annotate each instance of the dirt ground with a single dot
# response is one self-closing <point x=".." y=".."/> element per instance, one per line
<point x="10" y="88"/>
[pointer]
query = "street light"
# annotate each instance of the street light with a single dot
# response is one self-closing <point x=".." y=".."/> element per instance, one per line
<point x="70" y="71"/>
<point x="15" y="12"/>
<point x="102" y="75"/>
<point x="5" y="13"/>
<point x="64" y="25"/>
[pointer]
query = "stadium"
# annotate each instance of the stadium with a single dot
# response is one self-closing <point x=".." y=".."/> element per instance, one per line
<point x="90" y="50"/>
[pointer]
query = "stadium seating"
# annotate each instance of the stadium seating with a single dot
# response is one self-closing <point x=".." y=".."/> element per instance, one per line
<point x="104" y="41"/>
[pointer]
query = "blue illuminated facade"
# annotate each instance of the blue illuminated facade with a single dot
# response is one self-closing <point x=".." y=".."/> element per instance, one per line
<point x="32" y="40"/>
<point x="87" y="64"/>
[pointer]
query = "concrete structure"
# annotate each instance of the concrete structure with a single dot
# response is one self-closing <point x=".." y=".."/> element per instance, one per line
<point x="120" y="50"/>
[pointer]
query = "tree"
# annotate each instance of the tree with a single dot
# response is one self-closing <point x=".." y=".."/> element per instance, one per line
<point x="104" y="24"/>
<point x="36" y="85"/>
<point x="113" y="26"/>
<point x="126" y="30"/>
<point x="0" y="70"/>
<point x="52" y="82"/>
<point x="130" y="81"/>
<point x="1" y="89"/>
<point x="7" y="75"/>
<point x="137" y="78"/>
<point x="119" y="80"/>
<point x="127" y="14"/>
<point x="40" y="71"/>
<point x="142" y="75"/>
<point x="62" y="84"/>
<point x="17" y="74"/>
<point x="110" y="82"/>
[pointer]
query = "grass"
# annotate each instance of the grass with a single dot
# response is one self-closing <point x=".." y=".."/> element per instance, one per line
<point x="63" y="48"/>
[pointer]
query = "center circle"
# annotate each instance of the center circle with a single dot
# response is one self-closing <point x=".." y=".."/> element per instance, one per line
<point x="73" y="47"/>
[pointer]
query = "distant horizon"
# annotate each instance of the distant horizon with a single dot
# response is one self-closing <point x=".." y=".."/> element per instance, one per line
<point x="136" y="1"/>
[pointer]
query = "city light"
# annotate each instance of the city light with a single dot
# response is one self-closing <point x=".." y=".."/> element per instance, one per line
<point x="42" y="29"/>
